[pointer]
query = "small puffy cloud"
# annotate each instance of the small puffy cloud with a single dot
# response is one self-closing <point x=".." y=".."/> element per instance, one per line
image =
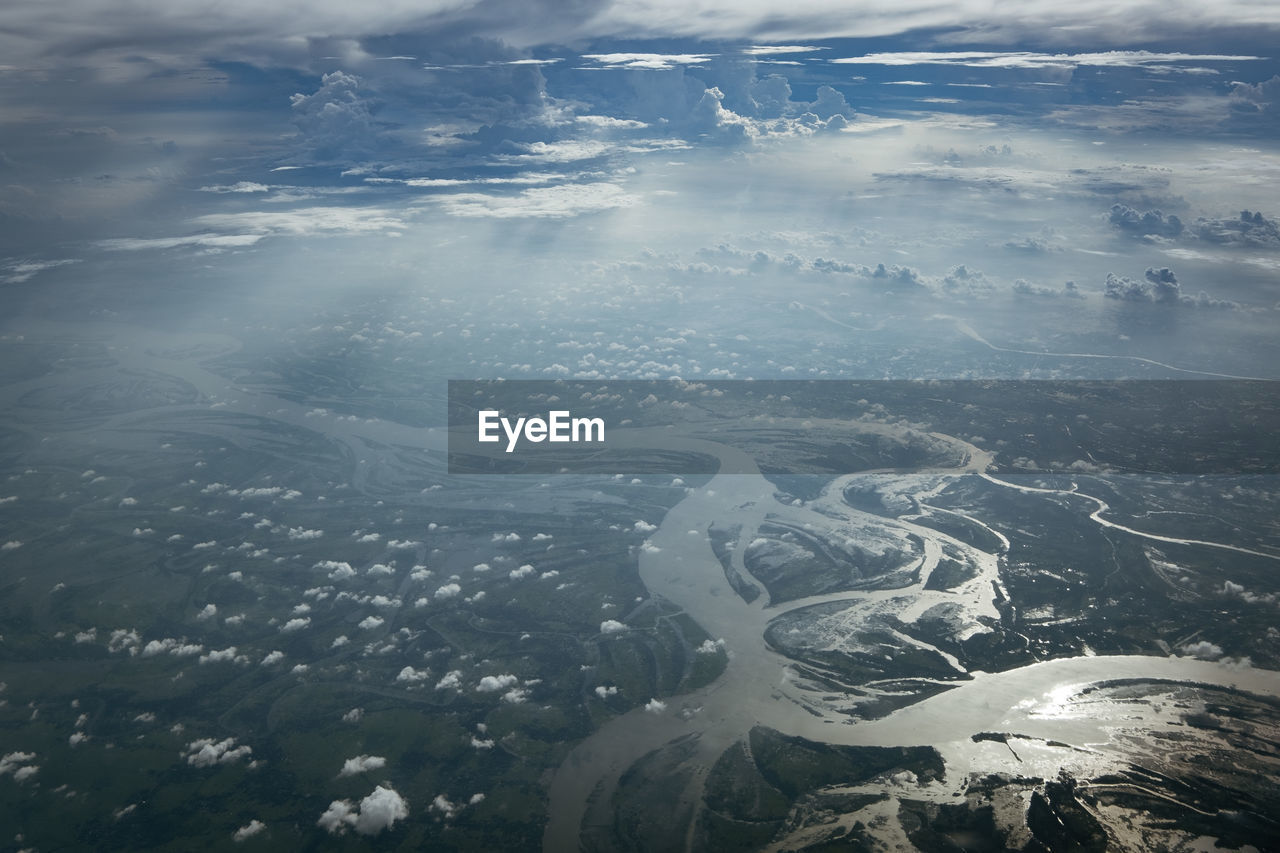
<point x="523" y="572"/>
<point x="605" y="692"/>
<point x="515" y="696"/>
<point x="296" y="624"/>
<point x="710" y="647"/>
<point x="378" y="569"/>
<point x="655" y="706"/>
<point x="15" y="762"/>
<point x="479" y="743"/>
<point x="494" y="683"/>
<point x="368" y="623"/>
<point x="206" y="752"/>
<point x="338" y="570"/>
<point x="380" y="810"/>
<point x="1204" y="650"/>
<point x="413" y="676"/>
<point x="273" y="657"/>
<point x="172" y="646"/>
<point x="645" y="527"/>
<point x="449" y="590"/>
<point x="355" y="715"/>
<point x="611" y="626"/>
<point x="219" y="656"/>
<point x="299" y="533"/>
<point x="124" y="639"/>
<point x="506" y="538"/>
<point x="362" y="764"/>
<point x="339" y="641"/>
<point x="340" y="815"/>
<point x="250" y="829"/>
<point x="451" y="680"/>
<point x="441" y="804"/>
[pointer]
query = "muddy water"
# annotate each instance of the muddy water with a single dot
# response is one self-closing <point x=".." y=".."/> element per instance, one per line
<point x="759" y="687"/>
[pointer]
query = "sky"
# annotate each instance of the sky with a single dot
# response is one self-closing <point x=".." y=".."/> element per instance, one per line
<point x="552" y="158"/>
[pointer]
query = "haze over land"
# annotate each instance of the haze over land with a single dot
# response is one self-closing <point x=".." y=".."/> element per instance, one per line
<point x="242" y="249"/>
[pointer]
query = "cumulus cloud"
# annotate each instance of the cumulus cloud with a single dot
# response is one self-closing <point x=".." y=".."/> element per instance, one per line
<point x="250" y="829"/>
<point x="375" y="813"/>
<point x="19" y="764"/>
<point x="451" y="680"/>
<point x="655" y="706"/>
<point x="611" y="626"/>
<point x="362" y="764"/>
<point x="219" y="655"/>
<point x="1204" y="650"/>
<point x="1250" y="228"/>
<point x="494" y="683"/>
<point x="1160" y="287"/>
<point x="449" y="590"/>
<point x="207" y="752"/>
<point x="413" y="676"/>
<point x="1145" y="222"/>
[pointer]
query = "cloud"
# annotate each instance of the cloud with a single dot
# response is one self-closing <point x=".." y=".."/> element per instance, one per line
<point x="1141" y="223"/>
<point x="522" y="572"/>
<point x="1161" y="287"/>
<point x="492" y="683"/>
<point x="655" y="706"/>
<point x="206" y="752"/>
<point x="413" y="676"/>
<point x="376" y="812"/>
<point x="334" y="121"/>
<point x="250" y="829"/>
<point x="1028" y="59"/>
<point x="1256" y="102"/>
<point x="710" y="647"/>
<point x="1204" y="650"/>
<point x="362" y="764"/>
<point x="451" y="680"/>
<point x="368" y="623"/>
<point x="18" y="762"/>
<point x="296" y="624"/>
<point x="611" y="626"/>
<point x="305" y="222"/>
<point x="557" y="202"/>
<point x="204" y="241"/>
<point x="648" y="61"/>
<point x="219" y="656"/>
<point x="273" y="657"/>
<point x="449" y="590"/>
<point x="1250" y="228"/>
